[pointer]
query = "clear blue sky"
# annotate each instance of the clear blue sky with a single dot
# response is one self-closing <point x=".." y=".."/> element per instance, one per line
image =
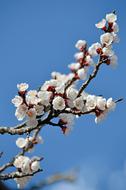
<point x="37" y="37"/>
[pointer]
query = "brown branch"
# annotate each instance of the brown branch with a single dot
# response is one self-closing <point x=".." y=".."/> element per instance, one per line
<point x="10" y="164"/>
<point x="14" y="175"/>
<point x="7" y="165"/>
<point x="21" y="128"/>
<point x="68" y="177"/>
<point x="15" y="131"/>
<point x="20" y="125"/>
<point x="70" y="83"/>
<point x="92" y="76"/>
<point x="79" y="113"/>
<point x="119" y="100"/>
<point x="19" y="131"/>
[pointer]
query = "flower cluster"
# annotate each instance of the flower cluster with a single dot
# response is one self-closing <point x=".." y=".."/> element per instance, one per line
<point x="25" y="166"/>
<point x="61" y="97"/>
<point x="55" y="95"/>
<point x="83" y="61"/>
<point x="27" y="104"/>
<point x="111" y="28"/>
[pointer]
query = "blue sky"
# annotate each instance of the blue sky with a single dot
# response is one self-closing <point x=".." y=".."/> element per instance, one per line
<point x="38" y="37"/>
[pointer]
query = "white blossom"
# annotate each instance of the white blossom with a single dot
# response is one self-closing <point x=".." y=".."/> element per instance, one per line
<point x="38" y="139"/>
<point x="111" y="17"/>
<point x="35" y="166"/>
<point x="32" y="93"/>
<point x="70" y="76"/>
<point x="93" y="49"/>
<point x="52" y="82"/>
<point x="39" y="109"/>
<point x="32" y="122"/>
<point x="111" y="104"/>
<point x="21" y="111"/>
<point x="80" y="44"/>
<point x="84" y="95"/>
<point x="70" y="103"/>
<point x="17" y="101"/>
<point x="79" y="55"/>
<point x="31" y="97"/>
<point x="107" y="51"/>
<point x="101" y="103"/>
<point x="60" y="89"/>
<point x="113" y="60"/>
<point x="106" y="39"/>
<point x="101" y="117"/>
<point x="24" y="142"/>
<point x="58" y="103"/>
<point x="45" y="97"/>
<point x="74" y="66"/>
<point x="22" y="87"/>
<point x="101" y="24"/>
<point x="89" y="60"/>
<point x="79" y="103"/>
<point x="21" y="162"/>
<point x="91" y="102"/>
<point x="72" y="93"/>
<point x="82" y="74"/>
<point x="116" y="38"/>
<point x="32" y="113"/>
<point x="21" y="142"/>
<point x="115" y="27"/>
<point x="68" y="119"/>
<point x="57" y="79"/>
<point x="26" y="169"/>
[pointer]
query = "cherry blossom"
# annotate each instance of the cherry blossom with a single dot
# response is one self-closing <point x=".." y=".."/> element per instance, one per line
<point x="80" y="44"/>
<point x="22" y="87"/>
<point x="111" y="17"/>
<point x="58" y="103"/>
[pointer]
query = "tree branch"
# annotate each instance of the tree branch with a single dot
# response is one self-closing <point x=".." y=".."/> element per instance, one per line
<point x="14" y="175"/>
<point x="92" y="76"/>
<point x="68" y="177"/>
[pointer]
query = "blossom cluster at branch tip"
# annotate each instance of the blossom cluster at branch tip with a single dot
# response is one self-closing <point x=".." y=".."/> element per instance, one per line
<point x="104" y="48"/>
<point x="27" y="166"/>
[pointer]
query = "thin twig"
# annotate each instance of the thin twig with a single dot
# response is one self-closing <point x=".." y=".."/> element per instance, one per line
<point x="21" y="128"/>
<point x="119" y="100"/>
<point x="70" y="83"/>
<point x="1" y="154"/>
<point x="93" y="75"/>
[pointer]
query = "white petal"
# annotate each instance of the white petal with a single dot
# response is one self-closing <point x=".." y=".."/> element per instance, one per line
<point x="32" y="123"/>
<point x="21" y="142"/>
<point x="101" y="24"/>
<point x="82" y="74"/>
<point x="58" y="103"/>
<point x="111" y="17"/>
<point x="80" y="44"/>
<point x="22" y="87"/>
<point x="35" y="166"/>
<point x="17" y="101"/>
